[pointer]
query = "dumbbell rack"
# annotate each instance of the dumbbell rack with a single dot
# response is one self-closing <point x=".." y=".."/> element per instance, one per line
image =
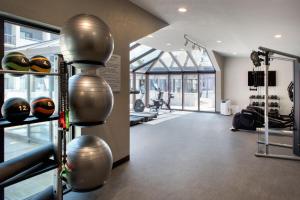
<point x="262" y="99"/>
<point x="59" y="139"/>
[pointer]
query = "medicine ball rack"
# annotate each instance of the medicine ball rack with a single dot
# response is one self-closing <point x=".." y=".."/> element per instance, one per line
<point x="24" y="166"/>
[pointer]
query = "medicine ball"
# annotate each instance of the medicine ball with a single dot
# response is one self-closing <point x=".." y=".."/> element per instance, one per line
<point x="42" y="107"/>
<point x="15" y="61"/>
<point x="15" y="109"/>
<point x="40" y="64"/>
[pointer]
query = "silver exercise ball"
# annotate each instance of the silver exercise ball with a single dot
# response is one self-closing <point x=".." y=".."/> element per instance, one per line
<point x="86" y="39"/>
<point x="90" y="161"/>
<point x="91" y="99"/>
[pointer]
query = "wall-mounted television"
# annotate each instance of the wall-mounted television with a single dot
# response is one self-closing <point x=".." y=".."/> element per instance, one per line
<point x="256" y="78"/>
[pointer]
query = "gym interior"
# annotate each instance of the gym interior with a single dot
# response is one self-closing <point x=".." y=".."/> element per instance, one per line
<point x="149" y="99"/>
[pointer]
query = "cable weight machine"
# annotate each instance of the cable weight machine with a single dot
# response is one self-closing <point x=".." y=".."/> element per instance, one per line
<point x="266" y="55"/>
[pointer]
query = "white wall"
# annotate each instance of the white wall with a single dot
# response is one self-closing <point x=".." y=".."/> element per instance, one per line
<point x="236" y="82"/>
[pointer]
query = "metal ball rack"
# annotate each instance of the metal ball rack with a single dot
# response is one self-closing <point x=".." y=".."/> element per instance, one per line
<point x="57" y="190"/>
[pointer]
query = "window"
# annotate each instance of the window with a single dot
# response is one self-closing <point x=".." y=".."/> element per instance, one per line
<point x="186" y="74"/>
<point x="21" y="139"/>
<point x="158" y="83"/>
<point x="207" y="92"/>
<point x="176" y="90"/>
<point x="26" y="35"/>
<point x="190" y="85"/>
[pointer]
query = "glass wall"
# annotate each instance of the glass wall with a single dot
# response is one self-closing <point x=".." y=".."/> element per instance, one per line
<point x="190" y="85"/>
<point x="158" y="84"/>
<point x="140" y="85"/>
<point x="22" y="139"/>
<point x="207" y="92"/>
<point x="131" y="97"/>
<point x="176" y="91"/>
<point x="188" y="75"/>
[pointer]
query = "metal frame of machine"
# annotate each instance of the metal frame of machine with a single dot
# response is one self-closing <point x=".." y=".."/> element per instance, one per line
<point x="265" y="55"/>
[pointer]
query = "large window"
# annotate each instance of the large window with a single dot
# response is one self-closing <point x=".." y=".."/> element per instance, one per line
<point x="21" y="139"/>
<point x="188" y="75"/>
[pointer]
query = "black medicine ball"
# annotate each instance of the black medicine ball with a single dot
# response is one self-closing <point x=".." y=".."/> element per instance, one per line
<point x="42" y="107"/>
<point x="15" y="109"/>
<point x="15" y="61"/>
<point x="40" y="64"/>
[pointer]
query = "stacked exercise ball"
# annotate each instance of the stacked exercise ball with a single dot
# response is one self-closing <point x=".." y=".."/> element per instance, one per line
<point x="89" y="160"/>
<point x="86" y="40"/>
<point x="42" y="107"/>
<point x="15" y="61"/>
<point x="15" y="109"/>
<point x="91" y="99"/>
<point x="87" y="43"/>
<point x="40" y="64"/>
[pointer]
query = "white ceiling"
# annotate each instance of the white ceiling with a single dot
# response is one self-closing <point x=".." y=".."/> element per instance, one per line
<point x="241" y="25"/>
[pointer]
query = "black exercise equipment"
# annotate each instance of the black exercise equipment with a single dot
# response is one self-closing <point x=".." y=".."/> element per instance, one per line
<point x="139" y="105"/>
<point x="159" y="102"/>
<point x="134" y="120"/>
<point x="147" y="116"/>
<point x="266" y="55"/>
<point x="42" y="107"/>
<point x="290" y="90"/>
<point x="47" y="194"/>
<point x="13" y="167"/>
<point x="15" y="109"/>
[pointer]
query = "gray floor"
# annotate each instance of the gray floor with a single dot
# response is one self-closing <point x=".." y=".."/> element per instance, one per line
<point x="196" y="157"/>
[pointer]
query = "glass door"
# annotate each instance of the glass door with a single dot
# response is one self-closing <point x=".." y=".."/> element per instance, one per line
<point x="176" y="91"/>
<point x="207" y="92"/>
<point x="158" y="84"/>
<point x="190" y="85"/>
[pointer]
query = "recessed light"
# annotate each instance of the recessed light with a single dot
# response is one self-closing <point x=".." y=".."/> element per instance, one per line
<point x="219" y="41"/>
<point x="234" y="53"/>
<point x="278" y="36"/>
<point x="150" y="36"/>
<point x="182" y="9"/>
<point x="168" y="44"/>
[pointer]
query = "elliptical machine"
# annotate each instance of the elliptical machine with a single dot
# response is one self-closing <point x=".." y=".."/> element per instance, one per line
<point x="160" y="102"/>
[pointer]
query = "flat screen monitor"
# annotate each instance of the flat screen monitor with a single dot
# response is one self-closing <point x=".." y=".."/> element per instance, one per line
<point x="256" y="78"/>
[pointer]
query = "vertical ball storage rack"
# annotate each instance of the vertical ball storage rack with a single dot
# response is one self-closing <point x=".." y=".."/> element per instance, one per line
<point x="58" y="140"/>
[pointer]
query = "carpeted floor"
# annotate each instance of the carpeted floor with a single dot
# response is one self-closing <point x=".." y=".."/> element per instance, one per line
<point x="195" y="157"/>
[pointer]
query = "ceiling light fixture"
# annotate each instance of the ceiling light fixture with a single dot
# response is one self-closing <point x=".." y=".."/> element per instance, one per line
<point x="150" y="36"/>
<point x="219" y="41"/>
<point x="182" y="9"/>
<point x="193" y="43"/>
<point x="278" y="36"/>
<point x="186" y="43"/>
<point x="234" y="53"/>
<point x="168" y="44"/>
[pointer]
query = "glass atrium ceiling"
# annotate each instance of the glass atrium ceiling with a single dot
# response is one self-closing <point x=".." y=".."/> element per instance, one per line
<point x="144" y="59"/>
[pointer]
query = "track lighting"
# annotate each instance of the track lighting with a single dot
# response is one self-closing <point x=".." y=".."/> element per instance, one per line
<point x="193" y="43"/>
<point x="186" y="43"/>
